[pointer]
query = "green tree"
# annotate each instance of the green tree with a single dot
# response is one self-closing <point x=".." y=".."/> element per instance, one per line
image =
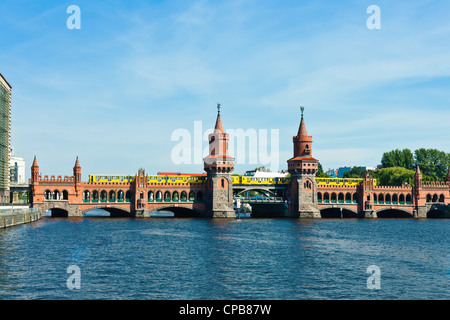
<point x="355" y="172"/>
<point x="398" y="158"/>
<point x="320" y="170"/>
<point x="432" y="162"/>
<point x="395" y="176"/>
<point x="320" y="173"/>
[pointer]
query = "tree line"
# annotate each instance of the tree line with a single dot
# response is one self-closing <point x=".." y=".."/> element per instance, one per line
<point x="399" y="166"/>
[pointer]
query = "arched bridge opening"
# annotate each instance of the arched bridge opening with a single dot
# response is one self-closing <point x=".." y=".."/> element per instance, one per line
<point x="256" y="193"/>
<point x="57" y="213"/>
<point x="337" y="213"/>
<point x="394" y="213"/>
<point x="178" y="212"/>
<point x="437" y="213"/>
<point x="106" y="212"/>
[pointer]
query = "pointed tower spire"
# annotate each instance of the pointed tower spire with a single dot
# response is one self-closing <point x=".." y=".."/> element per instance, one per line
<point x="34" y="170"/>
<point x="302" y="142"/>
<point x="302" y="129"/>
<point x="417" y="178"/>
<point x="77" y="163"/>
<point x="35" y="164"/>
<point x="77" y="171"/>
<point x="218" y="126"/>
<point x="218" y="148"/>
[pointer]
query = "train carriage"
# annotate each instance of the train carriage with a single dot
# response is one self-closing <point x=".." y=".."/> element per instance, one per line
<point x="236" y="179"/>
<point x="177" y="179"/>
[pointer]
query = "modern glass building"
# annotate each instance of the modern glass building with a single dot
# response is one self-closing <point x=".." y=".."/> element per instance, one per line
<point x="5" y="138"/>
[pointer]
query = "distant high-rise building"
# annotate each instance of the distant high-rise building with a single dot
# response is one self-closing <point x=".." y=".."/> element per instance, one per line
<point x="17" y="170"/>
<point x="5" y="138"/>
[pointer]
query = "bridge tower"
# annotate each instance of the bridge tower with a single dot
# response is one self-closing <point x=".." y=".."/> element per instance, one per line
<point x="366" y="197"/>
<point x="218" y="166"/>
<point x="420" y="210"/>
<point x="77" y="177"/>
<point x="303" y="168"/>
<point x="140" y="188"/>
<point x="34" y="177"/>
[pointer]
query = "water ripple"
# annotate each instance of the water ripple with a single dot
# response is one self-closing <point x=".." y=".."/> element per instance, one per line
<point x="208" y="259"/>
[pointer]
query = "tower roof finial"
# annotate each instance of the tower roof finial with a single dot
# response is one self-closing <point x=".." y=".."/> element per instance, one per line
<point x="302" y="109"/>
<point x="218" y="125"/>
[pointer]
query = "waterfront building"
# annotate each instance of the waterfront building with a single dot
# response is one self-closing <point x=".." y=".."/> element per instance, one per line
<point x="16" y="169"/>
<point x="342" y="170"/>
<point x="19" y="189"/>
<point x="332" y="173"/>
<point x="5" y="138"/>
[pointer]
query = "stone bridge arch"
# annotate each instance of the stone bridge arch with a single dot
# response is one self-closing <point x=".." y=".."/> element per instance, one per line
<point x="438" y="211"/>
<point x="59" y="213"/>
<point x="335" y="212"/>
<point x="179" y="210"/>
<point x="114" y="211"/>
<point x="59" y="208"/>
<point x="397" y="212"/>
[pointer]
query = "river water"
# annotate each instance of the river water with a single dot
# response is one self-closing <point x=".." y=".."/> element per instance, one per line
<point x="276" y="259"/>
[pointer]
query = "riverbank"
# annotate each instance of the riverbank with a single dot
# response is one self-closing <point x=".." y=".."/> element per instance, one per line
<point x="18" y="215"/>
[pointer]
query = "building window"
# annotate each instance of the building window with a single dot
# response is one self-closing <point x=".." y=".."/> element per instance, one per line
<point x="307" y="185"/>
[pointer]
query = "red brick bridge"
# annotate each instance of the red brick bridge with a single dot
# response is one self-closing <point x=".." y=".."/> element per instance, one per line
<point x="211" y="195"/>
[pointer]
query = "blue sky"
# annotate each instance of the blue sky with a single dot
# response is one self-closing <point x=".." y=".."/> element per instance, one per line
<point x="114" y="91"/>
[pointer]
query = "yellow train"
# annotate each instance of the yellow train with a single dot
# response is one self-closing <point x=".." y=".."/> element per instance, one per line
<point x="200" y="178"/>
<point x="342" y="182"/>
<point x="286" y="180"/>
<point x="95" y="178"/>
<point x="260" y="180"/>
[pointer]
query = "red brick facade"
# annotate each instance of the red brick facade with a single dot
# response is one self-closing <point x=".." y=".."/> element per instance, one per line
<point x="71" y="197"/>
